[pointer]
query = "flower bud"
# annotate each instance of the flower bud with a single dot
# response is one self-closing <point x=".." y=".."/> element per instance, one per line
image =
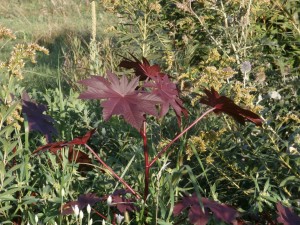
<point x="80" y="215"/>
<point x="76" y="210"/>
<point x="109" y="200"/>
<point x="88" y="209"/>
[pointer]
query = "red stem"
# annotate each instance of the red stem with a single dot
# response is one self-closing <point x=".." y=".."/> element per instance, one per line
<point x="146" y="156"/>
<point x="112" y="172"/>
<point x="178" y="136"/>
<point x="99" y="214"/>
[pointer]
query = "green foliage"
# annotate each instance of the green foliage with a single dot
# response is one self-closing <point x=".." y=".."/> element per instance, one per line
<point x="201" y="44"/>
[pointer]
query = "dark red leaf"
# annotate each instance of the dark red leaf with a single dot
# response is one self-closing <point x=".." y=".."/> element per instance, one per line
<point x="286" y="215"/>
<point x="168" y="92"/>
<point x="226" y="105"/>
<point x="36" y="119"/>
<point x="78" y="157"/>
<point x="88" y="198"/>
<point x="199" y="217"/>
<point x="122" y="202"/>
<point x="122" y="98"/>
<point x="83" y="201"/>
<point x="141" y="69"/>
<point x="74" y="155"/>
<point x="67" y="208"/>
<point x="82" y="140"/>
<point x="55" y="146"/>
<point x="221" y="211"/>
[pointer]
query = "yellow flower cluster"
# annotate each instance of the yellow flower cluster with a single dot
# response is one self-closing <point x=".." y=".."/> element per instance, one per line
<point x="163" y="143"/>
<point x="203" y="140"/>
<point x="6" y="33"/>
<point x="155" y="7"/>
<point x="213" y="56"/>
<point x="290" y="117"/>
<point x="242" y="95"/>
<point x="20" y="53"/>
<point x="15" y="117"/>
<point x="212" y="76"/>
<point x="110" y="5"/>
<point x="170" y="58"/>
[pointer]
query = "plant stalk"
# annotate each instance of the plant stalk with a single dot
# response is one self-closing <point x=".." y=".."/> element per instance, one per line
<point x="146" y="156"/>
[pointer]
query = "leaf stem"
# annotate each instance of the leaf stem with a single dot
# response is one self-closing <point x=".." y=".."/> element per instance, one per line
<point x="112" y="172"/>
<point x="146" y="156"/>
<point x="178" y="136"/>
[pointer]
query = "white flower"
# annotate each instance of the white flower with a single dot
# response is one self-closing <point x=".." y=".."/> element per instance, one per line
<point x="76" y="210"/>
<point x="63" y="192"/>
<point x="109" y="200"/>
<point x="90" y="222"/>
<point x="119" y="218"/>
<point x="80" y="214"/>
<point x="88" y="208"/>
<point x="293" y="151"/>
<point x="274" y="95"/>
<point x="36" y="219"/>
<point x="103" y="222"/>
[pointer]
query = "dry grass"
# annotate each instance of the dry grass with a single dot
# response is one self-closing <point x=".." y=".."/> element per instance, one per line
<point x="45" y="19"/>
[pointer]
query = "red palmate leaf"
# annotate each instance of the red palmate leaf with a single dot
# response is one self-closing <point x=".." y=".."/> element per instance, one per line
<point x="55" y="146"/>
<point x="122" y="98"/>
<point x="74" y="155"/>
<point x="199" y="217"/>
<point x="84" y="139"/>
<point x="142" y="69"/>
<point x="226" y="105"/>
<point x="122" y="202"/>
<point x="37" y="120"/>
<point x="82" y="201"/>
<point x="286" y="215"/>
<point x="163" y="87"/>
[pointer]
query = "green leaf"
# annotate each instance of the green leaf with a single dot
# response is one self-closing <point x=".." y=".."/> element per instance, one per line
<point x="7" y="196"/>
<point x="286" y="180"/>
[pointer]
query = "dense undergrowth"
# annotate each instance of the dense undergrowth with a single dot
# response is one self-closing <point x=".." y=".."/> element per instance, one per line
<point x="61" y="154"/>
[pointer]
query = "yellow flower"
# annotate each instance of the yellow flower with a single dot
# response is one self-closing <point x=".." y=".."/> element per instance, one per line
<point x="209" y="160"/>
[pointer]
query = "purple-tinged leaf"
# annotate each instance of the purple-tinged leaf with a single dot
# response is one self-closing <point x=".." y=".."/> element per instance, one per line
<point x="226" y="105"/>
<point x="220" y="211"/>
<point x="122" y="202"/>
<point x="74" y="155"/>
<point x="55" y="146"/>
<point x="286" y="215"/>
<point x="36" y="119"/>
<point x="142" y="69"/>
<point x="83" y="200"/>
<point x="199" y="217"/>
<point x="122" y="98"/>
<point x="163" y="87"/>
